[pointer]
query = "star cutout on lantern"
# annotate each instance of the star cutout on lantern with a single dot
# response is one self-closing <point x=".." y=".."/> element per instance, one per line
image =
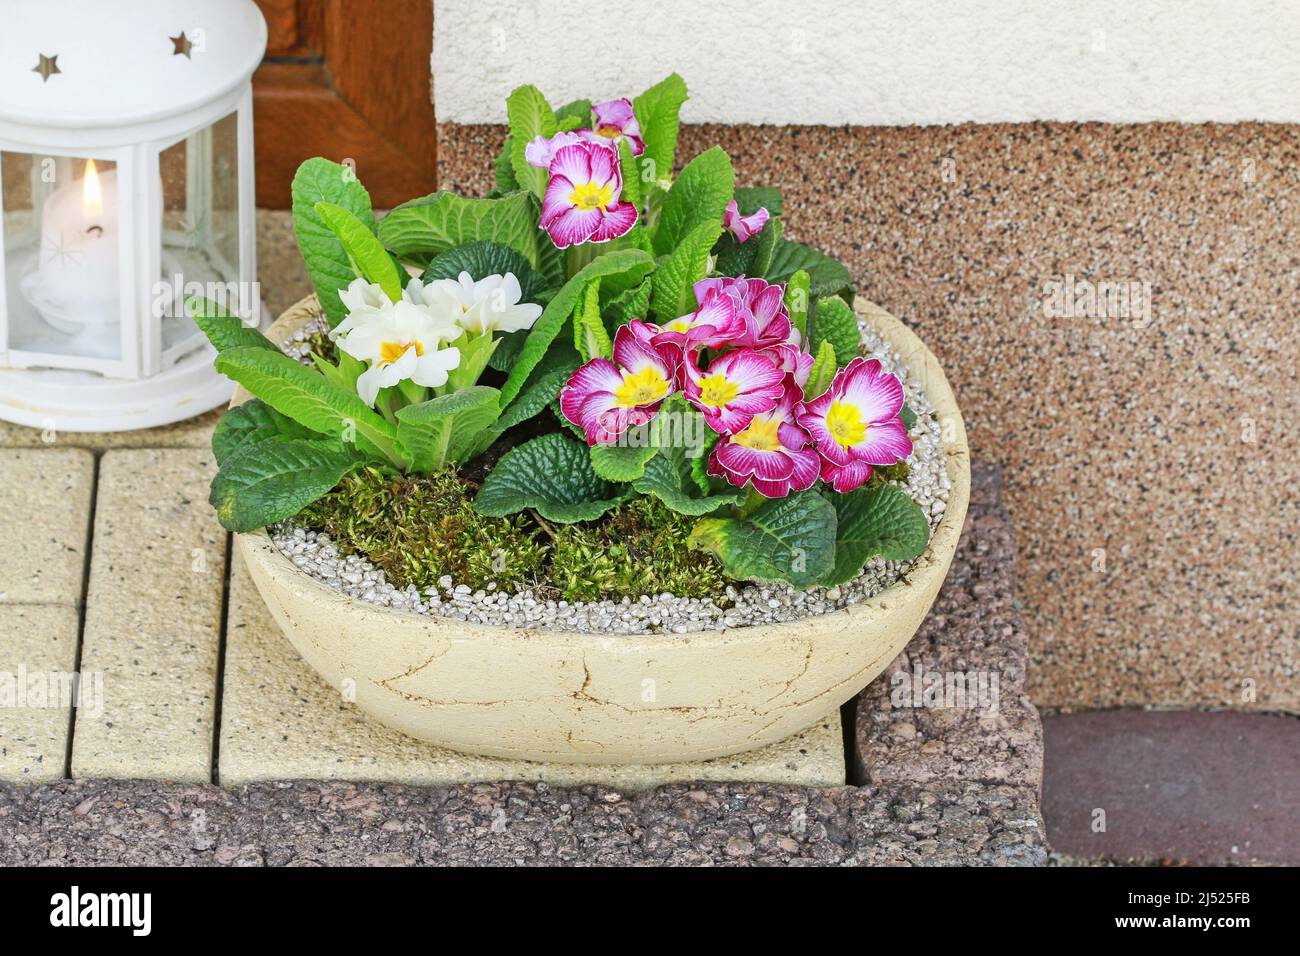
<point x="48" y="66"/>
<point x="181" y="45"/>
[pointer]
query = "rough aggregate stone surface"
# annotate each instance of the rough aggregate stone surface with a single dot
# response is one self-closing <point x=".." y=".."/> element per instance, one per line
<point x="344" y="824"/>
<point x="973" y="639"/>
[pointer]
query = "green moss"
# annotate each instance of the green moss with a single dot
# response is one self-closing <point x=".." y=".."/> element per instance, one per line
<point x="639" y="548"/>
<point x="418" y="528"/>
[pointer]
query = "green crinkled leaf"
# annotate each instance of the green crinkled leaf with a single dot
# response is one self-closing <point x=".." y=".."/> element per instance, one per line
<point x="836" y="323"/>
<point x="698" y="196"/>
<point x="271" y="480"/>
<point x="672" y="282"/>
<point x="529" y="116"/>
<point x="908" y="416"/>
<point x="503" y="174"/>
<point x="751" y="258"/>
<point x="798" y="300"/>
<point x="476" y="350"/>
<point x="445" y="430"/>
<point x="621" y="463"/>
<point x="367" y="254"/>
<point x="618" y="263"/>
<point x="629" y="305"/>
<point x="573" y="115"/>
<point x="305" y="396"/>
<point x="590" y="337"/>
<point x="674" y="478"/>
<point x="876" y="520"/>
<point x="552" y="474"/>
<point x="421" y="229"/>
<point x="319" y="180"/>
<point x="480" y="259"/>
<point x="224" y="330"/>
<point x="828" y="276"/>
<point x="823" y="372"/>
<point x="788" y="539"/>
<point x="749" y="199"/>
<point x="658" y="112"/>
<point x="250" y="423"/>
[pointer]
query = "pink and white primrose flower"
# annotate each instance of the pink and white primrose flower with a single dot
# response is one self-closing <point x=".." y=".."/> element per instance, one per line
<point x="615" y="120"/>
<point x="583" y="199"/>
<point x="743" y="227"/>
<point x="772" y="452"/>
<point x="761" y="306"/>
<point x="713" y="325"/>
<point x="734" y="388"/>
<point x="855" y="424"/>
<point x="794" y="361"/>
<point x="605" y="398"/>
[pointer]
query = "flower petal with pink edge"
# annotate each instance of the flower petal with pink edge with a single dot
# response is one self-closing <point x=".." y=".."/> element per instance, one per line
<point x="876" y="394"/>
<point x="885" y="444"/>
<point x="845" y="478"/>
<point x="555" y="202"/>
<point x="768" y="465"/>
<point x="573" y="162"/>
<point x="634" y="350"/>
<point x="573" y="226"/>
<point x="615" y="222"/>
<point x="743" y="227"/>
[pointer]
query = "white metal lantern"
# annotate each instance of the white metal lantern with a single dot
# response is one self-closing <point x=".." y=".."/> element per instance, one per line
<point x="126" y="167"/>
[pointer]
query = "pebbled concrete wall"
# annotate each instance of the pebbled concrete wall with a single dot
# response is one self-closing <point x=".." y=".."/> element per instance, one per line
<point x="882" y="62"/>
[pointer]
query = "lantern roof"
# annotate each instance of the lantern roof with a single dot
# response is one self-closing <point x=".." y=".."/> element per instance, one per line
<point x="94" y="64"/>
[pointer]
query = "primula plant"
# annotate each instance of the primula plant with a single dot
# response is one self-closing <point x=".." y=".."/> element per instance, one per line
<point x="688" y="354"/>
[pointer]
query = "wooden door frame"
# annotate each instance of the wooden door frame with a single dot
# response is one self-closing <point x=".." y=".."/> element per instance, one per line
<point x="354" y="85"/>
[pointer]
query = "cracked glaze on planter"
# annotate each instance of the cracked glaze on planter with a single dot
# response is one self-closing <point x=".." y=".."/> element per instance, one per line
<point x="535" y="694"/>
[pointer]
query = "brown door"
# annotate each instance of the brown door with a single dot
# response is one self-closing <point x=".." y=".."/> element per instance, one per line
<point x="346" y="80"/>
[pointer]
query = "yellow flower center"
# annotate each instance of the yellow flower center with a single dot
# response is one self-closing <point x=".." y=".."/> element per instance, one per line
<point x="390" y="352"/>
<point x="609" y="132"/>
<point x="641" y="388"/>
<point x="761" y="434"/>
<point x="716" y="391"/>
<point x="682" y="324"/>
<point x="587" y="196"/>
<point x="845" y="424"/>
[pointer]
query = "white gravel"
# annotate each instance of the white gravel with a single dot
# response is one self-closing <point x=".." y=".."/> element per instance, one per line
<point x="927" y="483"/>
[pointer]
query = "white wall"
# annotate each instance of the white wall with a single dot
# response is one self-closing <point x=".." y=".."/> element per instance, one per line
<point x="875" y="62"/>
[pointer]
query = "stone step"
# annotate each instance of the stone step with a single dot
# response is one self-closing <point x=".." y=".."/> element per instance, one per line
<point x="153" y="618"/>
<point x="280" y="720"/>
<point x="952" y="710"/>
<point x="104" y="823"/>
<point x="1207" y="789"/>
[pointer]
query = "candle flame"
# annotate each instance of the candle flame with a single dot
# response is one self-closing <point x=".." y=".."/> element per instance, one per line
<point x="92" y="198"/>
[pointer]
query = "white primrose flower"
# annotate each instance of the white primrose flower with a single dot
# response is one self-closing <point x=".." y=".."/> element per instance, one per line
<point x="489" y="305"/>
<point x="364" y="297"/>
<point x="399" y="341"/>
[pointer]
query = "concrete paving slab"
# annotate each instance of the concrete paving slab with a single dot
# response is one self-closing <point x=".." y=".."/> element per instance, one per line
<point x="38" y="657"/>
<point x="153" y="618"/>
<point x="280" y="720"/>
<point x="1180" y="786"/>
<point x="45" y="496"/>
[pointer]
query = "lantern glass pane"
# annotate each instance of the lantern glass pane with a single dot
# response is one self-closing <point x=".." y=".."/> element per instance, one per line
<point x="61" y="248"/>
<point x="200" y="227"/>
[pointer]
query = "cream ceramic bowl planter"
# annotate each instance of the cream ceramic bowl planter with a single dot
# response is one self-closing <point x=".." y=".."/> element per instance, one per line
<point x="548" y="695"/>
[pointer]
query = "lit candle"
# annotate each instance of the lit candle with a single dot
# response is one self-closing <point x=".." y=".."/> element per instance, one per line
<point x="76" y="283"/>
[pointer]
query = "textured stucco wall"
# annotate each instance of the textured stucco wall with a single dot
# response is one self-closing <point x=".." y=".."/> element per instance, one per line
<point x="882" y="62"/>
